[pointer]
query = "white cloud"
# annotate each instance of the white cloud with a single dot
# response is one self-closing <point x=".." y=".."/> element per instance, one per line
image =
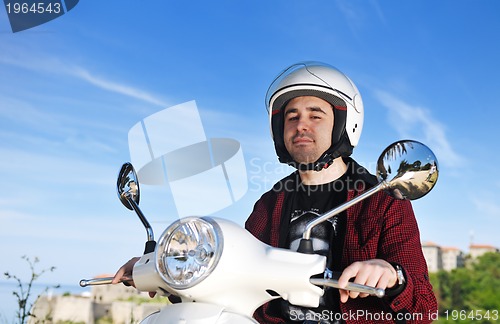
<point x="36" y="173"/>
<point x="351" y="14"/>
<point x="358" y="17"/>
<point x="16" y="110"/>
<point x="117" y="87"/>
<point x="487" y="207"/>
<point x="24" y="58"/>
<point x="416" y="122"/>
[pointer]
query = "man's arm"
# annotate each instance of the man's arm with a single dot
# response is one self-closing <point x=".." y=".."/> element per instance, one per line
<point x="401" y="245"/>
<point x="386" y="229"/>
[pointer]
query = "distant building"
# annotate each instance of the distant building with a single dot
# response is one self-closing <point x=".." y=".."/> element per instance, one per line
<point x="449" y="258"/>
<point x="108" y="293"/>
<point x="452" y="258"/>
<point x="433" y="256"/>
<point x="114" y="302"/>
<point x="476" y="250"/>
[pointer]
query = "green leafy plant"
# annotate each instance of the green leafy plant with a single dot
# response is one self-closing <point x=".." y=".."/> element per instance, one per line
<point x="24" y="289"/>
<point x="138" y="300"/>
<point x="470" y="294"/>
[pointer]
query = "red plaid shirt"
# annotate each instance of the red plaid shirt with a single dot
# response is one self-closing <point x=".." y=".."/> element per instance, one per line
<point x="379" y="227"/>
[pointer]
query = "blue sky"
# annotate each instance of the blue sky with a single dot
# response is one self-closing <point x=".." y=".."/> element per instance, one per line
<point x="71" y="89"/>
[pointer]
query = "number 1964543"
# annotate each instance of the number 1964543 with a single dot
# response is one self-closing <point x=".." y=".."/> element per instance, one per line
<point x="475" y="315"/>
<point x="33" y="8"/>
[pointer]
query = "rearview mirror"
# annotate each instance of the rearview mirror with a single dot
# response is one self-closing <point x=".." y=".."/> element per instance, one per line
<point x="405" y="169"/>
<point x="409" y="168"/>
<point x="127" y="185"/>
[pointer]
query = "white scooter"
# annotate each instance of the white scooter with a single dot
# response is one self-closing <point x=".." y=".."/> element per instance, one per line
<point x="222" y="273"/>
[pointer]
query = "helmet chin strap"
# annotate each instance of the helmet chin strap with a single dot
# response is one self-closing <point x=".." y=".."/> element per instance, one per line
<point x="322" y="163"/>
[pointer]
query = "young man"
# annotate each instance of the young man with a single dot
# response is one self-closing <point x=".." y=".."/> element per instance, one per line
<point x="316" y="116"/>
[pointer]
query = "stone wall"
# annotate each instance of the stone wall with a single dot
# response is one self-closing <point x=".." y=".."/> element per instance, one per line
<point x="79" y="309"/>
<point x="128" y="312"/>
<point x="62" y="308"/>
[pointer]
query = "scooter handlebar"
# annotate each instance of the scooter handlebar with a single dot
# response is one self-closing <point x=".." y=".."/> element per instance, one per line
<point x="379" y="292"/>
<point x="101" y="281"/>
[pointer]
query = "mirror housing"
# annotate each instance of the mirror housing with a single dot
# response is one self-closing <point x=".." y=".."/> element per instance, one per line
<point x="409" y="168"/>
<point x="127" y="185"/>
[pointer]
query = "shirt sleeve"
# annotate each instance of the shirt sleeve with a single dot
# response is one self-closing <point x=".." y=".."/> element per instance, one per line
<point x="382" y="227"/>
<point x="400" y="243"/>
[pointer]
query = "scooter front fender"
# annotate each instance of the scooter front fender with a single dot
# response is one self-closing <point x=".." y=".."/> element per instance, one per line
<point x="194" y="313"/>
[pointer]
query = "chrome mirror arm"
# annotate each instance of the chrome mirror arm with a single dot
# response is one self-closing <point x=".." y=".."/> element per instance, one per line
<point x="135" y="207"/>
<point x="414" y="171"/>
<point x="307" y="234"/>
<point x="305" y="245"/>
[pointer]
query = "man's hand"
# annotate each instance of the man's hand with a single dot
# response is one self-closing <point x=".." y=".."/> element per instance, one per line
<point x="376" y="273"/>
<point x="125" y="271"/>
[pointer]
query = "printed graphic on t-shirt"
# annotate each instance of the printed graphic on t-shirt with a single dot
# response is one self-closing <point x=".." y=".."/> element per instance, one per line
<point x="320" y="235"/>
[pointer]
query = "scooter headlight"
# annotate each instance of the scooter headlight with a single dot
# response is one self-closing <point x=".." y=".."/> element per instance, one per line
<point x="188" y="251"/>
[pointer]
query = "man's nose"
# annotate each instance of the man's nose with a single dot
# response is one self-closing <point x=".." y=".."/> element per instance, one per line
<point x="302" y="124"/>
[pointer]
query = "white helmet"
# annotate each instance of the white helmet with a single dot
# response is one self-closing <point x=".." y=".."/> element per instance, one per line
<point x="325" y="82"/>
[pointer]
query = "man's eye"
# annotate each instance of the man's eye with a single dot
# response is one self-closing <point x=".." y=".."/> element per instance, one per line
<point x="293" y="118"/>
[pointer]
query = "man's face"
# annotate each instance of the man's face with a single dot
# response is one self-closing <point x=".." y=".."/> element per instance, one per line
<point x="308" y="128"/>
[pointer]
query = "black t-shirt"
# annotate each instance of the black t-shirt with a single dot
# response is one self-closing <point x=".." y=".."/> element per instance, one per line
<point x="305" y="204"/>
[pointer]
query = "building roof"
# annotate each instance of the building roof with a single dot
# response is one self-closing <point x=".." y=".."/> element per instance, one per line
<point x="429" y="244"/>
<point x="450" y="248"/>
<point x="482" y="246"/>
